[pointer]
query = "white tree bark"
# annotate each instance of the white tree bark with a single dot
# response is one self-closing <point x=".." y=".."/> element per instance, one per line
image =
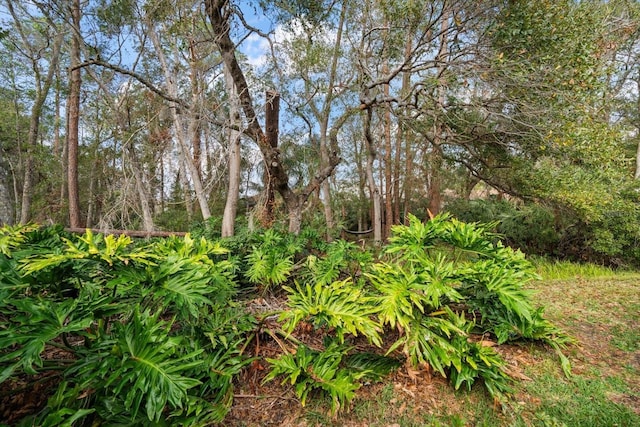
<point x="180" y="133"/>
<point x="233" y="191"/>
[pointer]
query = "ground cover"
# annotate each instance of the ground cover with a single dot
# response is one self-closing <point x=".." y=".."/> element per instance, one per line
<point x="98" y="330"/>
<point x="601" y="313"/>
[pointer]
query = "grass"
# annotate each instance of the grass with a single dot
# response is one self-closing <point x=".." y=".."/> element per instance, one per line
<point x="558" y="270"/>
<point x="582" y="400"/>
<point x="597" y="306"/>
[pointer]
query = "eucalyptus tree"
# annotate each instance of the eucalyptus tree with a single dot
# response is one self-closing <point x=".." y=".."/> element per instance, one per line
<point x="73" y="120"/>
<point x="169" y="63"/>
<point x="235" y="157"/>
<point x="38" y="36"/>
<point x="221" y="14"/>
<point x="313" y="72"/>
<point x="410" y="56"/>
<point x="11" y="126"/>
<point x="186" y="129"/>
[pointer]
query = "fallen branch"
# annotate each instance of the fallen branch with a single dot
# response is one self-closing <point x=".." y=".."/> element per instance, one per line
<point x="130" y="233"/>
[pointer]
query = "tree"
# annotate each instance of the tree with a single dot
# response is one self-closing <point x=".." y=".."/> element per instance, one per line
<point x="220" y="14"/>
<point x="235" y="157"/>
<point x="36" y="43"/>
<point x="73" y="120"/>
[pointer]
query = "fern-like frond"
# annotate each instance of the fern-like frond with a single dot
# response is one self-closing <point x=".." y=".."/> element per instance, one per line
<point x="399" y="298"/>
<point x="308" y="370"/>
<point x="341" y="305"/>
<point x="34" y="324"/>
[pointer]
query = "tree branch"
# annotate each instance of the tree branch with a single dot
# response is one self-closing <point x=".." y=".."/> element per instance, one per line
<point x="136" y="76"/>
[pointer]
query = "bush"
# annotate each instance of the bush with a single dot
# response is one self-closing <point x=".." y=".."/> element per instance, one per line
<point x="436" y="284"/>
<point x="149" y="331"/>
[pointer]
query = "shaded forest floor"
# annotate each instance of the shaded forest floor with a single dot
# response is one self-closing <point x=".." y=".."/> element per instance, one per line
<point x="603" y="315"/>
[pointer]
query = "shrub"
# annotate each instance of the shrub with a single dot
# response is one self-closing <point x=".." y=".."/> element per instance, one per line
<point x="150" y="330"/>
<point x="437" y="283"/>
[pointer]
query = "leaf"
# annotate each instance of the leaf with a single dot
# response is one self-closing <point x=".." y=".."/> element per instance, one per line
<point x="341" y="305"/>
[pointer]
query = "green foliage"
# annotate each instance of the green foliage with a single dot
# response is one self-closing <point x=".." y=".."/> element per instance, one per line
<point x="309" y="370"/>
<point x="594" y="221"/>
<point x="154" y="336"/>
<point x="152" y="332"/>
<point x="340" y="306"/>
<point x="532" y="228"/>
<point x="440" y="282"/>
<point x="475" y="359"/>
<point x="446" y="264"/>
<point x="340" y="257"/>
<point x="12" y="237"/>
<point x="268" y="256"/>
<point x="145" y="367"/>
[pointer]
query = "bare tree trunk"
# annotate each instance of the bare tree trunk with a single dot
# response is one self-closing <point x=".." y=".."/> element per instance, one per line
<point x="637" y="172"/>
<point x="388" y="173"/>
<point x="435" y="181"/>
<point x="219" y="13"/>
<point x="6" y="207"/>
<point x="233" y="191"/>
<point x="388" y="166"/>
<point x="141" y="188"/>
<point x="373" y="188"/>
<point x="323" y="116"/>
<point x="74" y="119"/>
<point x="435" y="187"/>
<point x="172" y="89"/>
<point x="294" y="211"/>
<point x="272" y="123"/>
<point x="186" y="189"/>
<point x="402" y="136"/>
<point x="362" y="182"/>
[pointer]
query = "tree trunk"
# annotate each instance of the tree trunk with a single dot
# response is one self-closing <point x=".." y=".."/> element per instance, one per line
<point x="435" y="181"/>
<point x="172" y="89"/>
<point x="6" y="206"/>
<point x="74" y="119"/>
<point x="233" y="191"/>
<point x="637" y="173"/>
<point x="219" y="13"/>
<point x="402" y="136"/>
<point x="362" y="182"/>
<point x="186" y="189"/>
<point x="42" y="90"/>
<point x="272" y="123"/>
<point x="373" y="188"/>
<point x="388" y="166"/>
<point x="435" y="184"/>
<point x="294" y="211"/>
<point x="141" y="188"/>
<point x="326" y="190"/>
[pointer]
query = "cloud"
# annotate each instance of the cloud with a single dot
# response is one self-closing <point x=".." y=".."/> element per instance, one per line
<point x="257" y="50"/>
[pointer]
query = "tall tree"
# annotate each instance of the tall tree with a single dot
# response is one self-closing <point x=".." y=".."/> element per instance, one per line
<point x="37" y="43"/>
<point x="235" y="157"/>
<point x="73" y="120"/>
<point x="220" y="14"/>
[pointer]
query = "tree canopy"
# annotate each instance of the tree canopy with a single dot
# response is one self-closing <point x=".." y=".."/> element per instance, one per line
<point x="386" y="108"/>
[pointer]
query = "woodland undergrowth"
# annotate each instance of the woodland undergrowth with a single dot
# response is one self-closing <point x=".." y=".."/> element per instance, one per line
<point x="155" y="332"/>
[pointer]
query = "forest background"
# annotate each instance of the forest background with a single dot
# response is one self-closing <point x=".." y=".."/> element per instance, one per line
<point x="175" y="114"/>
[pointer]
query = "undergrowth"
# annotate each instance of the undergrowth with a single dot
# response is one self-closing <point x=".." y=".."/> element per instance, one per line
<point x="153" y="333"/>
